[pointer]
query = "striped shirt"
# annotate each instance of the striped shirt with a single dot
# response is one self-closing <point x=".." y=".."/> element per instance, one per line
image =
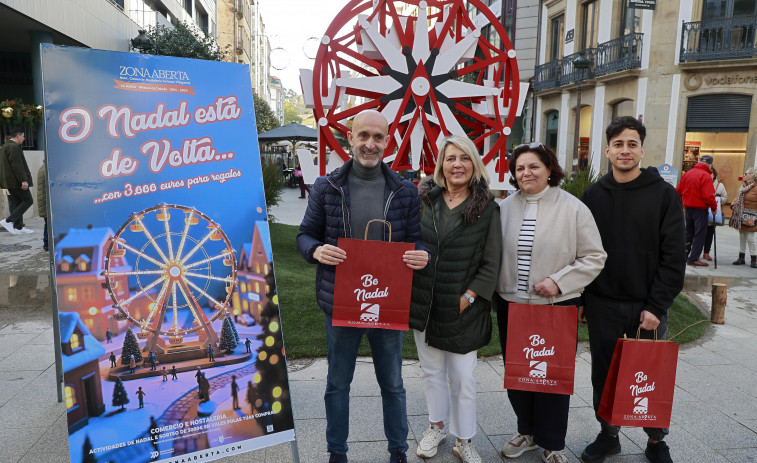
<point x="526" y="242"/>
<point x="525" y="247"/>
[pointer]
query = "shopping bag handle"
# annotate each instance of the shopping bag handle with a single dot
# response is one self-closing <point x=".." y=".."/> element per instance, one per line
<point x="638" y="333"/>
<point x="378" y="220"/>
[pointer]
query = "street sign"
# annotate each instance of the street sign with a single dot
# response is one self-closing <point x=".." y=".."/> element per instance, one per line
<point x="669" y="174"/>
<point x="642" y="4"/>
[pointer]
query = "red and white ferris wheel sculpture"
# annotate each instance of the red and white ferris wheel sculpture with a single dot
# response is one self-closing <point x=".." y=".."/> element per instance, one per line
<point x="417" y="62"/>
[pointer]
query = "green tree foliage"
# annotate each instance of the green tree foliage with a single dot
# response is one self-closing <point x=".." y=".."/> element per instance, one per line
<point x="130" y="347"/>
<point x="264" y="116"/>
<point x="272" y="387"/>
<point x="228" y="342"/>
<point x="119" y="394"/>
<point x="234" y="329"/>
<point x="273" y="184"/>
<point x="291" y="114"/>
<point x="184" y="40"/>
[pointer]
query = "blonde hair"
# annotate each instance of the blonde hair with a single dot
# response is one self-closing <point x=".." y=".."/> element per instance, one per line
<point x="467" y="146"/>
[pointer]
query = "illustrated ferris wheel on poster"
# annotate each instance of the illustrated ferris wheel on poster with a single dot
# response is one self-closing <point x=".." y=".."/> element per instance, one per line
<point x="184" y="266"/>
<point x="425" y="65"/>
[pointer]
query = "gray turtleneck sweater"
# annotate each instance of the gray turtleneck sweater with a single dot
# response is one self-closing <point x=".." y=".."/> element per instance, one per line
<point x="366" y="200"/>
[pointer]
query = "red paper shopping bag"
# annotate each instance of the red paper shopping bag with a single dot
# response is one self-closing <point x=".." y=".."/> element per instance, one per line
<point x="373" y="285"/>
<point x="640" y="384"/>
<point x="540" y="354"/>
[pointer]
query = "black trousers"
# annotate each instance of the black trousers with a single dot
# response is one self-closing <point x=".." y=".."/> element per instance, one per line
<point x="18" y="202"/>
<point x="540" y="414"/>
<point x="696" y="230"/>
<point x="609" y="320"/>
<point x="708" y="238"/>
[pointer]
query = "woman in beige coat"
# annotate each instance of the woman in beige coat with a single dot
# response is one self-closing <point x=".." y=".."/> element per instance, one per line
<point x="744" y="218"/>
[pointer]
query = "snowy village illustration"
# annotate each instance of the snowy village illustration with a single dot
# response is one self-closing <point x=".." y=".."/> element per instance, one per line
<point x="171" y="339"/>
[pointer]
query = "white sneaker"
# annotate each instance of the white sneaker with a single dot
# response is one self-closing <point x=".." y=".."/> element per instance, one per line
<point x="8" y="226"/>
<point x="26" y="230"/>
<point x="432" y="437"/>
<point x="517" y="445"/>
<point x="558" y="456"/>
<point x="465" y="451"/>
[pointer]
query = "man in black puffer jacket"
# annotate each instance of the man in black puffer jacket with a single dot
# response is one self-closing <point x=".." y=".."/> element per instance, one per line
<point x="376" y="193"/>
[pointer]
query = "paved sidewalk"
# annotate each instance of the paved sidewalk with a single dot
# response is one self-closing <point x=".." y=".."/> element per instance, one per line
<point x="714" y="414"/>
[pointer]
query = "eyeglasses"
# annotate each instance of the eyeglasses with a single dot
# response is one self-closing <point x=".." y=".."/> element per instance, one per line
<point x="533" y="145"/>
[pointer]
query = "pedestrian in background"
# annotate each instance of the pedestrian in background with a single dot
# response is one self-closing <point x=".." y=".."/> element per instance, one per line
<point x="301" y="181"/>
<point x="640" y="220"/>
<point x="697" y="194"/>
<point x="538" y="268"/>
<point x="450" y="312"/>
<point x="16" y="178"/>
<point x="720" y="192"/>
<point x="744" y="217"/>
<point x="42" y="205"/>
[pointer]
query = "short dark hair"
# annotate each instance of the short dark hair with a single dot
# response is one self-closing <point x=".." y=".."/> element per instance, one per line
<point x="546" y="156"/>
<point x="16" y="130"/>
<point x="620" y="124"/>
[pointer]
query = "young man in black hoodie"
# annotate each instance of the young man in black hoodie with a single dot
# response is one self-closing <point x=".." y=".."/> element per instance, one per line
<point x="640" y="219"/>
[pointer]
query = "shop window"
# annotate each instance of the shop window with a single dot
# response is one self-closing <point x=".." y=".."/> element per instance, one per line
<point x="621" y="108"/>
<point x="245" y="305"/>
<point x="70" y="395"/>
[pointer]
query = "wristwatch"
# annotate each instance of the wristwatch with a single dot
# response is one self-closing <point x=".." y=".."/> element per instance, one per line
<point x="469" y="298"/>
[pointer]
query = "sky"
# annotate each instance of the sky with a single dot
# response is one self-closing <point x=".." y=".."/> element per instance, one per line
<point x="289" y="24"/>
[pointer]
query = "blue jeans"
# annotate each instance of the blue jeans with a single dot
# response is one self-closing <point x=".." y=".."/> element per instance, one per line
<point x="386" y="348"/>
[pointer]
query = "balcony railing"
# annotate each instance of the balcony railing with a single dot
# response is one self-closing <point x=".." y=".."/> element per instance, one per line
<point x="719" y="39"/>
<point x="547" y="76"/>
<point x="568" y="75"/>
<point x="619" y="54"/>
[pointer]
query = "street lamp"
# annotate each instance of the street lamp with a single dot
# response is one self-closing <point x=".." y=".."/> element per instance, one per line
<point x="580" y="63"/>
<point x="142" y="42"/>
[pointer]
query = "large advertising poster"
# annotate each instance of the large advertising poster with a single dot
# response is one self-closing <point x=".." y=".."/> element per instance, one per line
<point x="170" y="330"/>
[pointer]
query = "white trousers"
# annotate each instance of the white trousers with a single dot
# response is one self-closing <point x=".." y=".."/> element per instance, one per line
<point x="748" y="237"/>
<point x="450" y="387"/>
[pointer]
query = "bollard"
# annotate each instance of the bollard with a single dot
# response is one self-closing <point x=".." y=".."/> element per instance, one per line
<point x="719" y="297"/>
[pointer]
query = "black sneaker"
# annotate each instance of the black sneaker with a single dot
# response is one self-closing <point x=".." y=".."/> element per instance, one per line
<point x="603" y="445"/>
<point x="337" y="458"/>
<point x="658" y="453"/>
<point x="398" y="457"/>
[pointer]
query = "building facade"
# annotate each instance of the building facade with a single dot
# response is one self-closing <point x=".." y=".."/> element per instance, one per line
<point x="685" y="68"/>
<point x="520" y="19"/>
<point x="235" y="29"/>
<point x="101" y="24"/>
